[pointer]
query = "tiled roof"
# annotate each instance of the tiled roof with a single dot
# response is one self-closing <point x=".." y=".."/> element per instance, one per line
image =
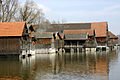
<point x="111" y="35"/>
<point x="11" y="28"/>
<point x="85" y="31"/>
<point x="43" y="35"/>
<point x="76" y="36"/>
<point x="100" y="29"/>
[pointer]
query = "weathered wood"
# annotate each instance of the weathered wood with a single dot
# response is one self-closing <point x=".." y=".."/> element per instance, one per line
<point x="9" y="45"/>
<point x="43" y="43"/>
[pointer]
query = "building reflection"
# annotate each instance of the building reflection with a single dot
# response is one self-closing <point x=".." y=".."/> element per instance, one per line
<point x="44" y="66"/>
<point x="10" y="69"/>
<point x="94" y="64"/>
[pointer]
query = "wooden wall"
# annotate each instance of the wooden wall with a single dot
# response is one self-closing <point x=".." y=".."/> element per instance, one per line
<point x="9" y="45"/>
<point x="46" y="41"/>
<point x="113" y="42"/>
<point x="101" y="39"/>
<point x="43" y="43"/>
<point x="59" y="43"/>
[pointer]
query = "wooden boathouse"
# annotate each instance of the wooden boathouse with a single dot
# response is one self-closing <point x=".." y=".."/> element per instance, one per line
<point x="46" y="40"/>
<point x="13" y="38"/>
<point x="113" y="40"/>
<point x="101" y="32"/>
<point x="80" y="39"/>
<point x="92" y="36"/>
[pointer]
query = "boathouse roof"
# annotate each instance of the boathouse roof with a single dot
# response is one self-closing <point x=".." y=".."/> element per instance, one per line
<point x="100" y="29"/>
<point x="78" y="36"/>
<point x="85" y="31"/>
<point x="61" y="27"/>
<point x="111" y="35"/>
<point x="11" y="28"/>
<point x="43" y="34"/>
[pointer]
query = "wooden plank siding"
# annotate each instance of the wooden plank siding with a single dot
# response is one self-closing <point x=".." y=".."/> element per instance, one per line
<point x="59" y="43"/>
<point x="43" y="43"/>
<point x="9" y="45"/>
<point x="46" y="41"/>
<point x="115" y="40"/>
<point x="101" y="41"/>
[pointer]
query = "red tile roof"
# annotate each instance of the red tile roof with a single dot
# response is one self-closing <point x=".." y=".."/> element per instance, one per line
<point x="100" y="29"/>
<point x="111" y="35"/>
<point x="89" y="31"/>
<point x="11" y="28"/>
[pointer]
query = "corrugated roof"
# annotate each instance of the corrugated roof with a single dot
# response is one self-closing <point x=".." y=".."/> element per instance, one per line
<point x="100" y="29"/>
<point x="76" y="36"/>
<point x="11" y="28"/>
<point x="43" y="35"/>
<point x="85" y="31"/>
<point x="111" y="35"/>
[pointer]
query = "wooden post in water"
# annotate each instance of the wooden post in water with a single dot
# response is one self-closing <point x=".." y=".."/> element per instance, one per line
<point x="78" y="47"/>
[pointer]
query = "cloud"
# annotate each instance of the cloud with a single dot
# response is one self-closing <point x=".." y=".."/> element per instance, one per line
<point x="44" y="8"/>
<point x="38" y="6"/>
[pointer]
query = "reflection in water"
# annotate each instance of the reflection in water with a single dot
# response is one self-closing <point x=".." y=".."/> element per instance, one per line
<point x="62" y="66"/>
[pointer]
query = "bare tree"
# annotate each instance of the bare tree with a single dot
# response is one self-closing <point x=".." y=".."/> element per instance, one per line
<point x="30" y="13"/>
<point x="8" y="10"/>
<point x="0" y="9"/>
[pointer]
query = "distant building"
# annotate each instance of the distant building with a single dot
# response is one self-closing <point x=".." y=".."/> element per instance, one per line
<point x="113" y="40"/>
<point x="86" y="37"/>
<point x="45" y="41"/>
<point x="89" y="35"/>
<point x="101" y="32"/>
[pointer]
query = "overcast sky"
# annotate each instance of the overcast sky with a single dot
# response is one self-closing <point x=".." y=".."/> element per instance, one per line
<point x="83" y="11"/>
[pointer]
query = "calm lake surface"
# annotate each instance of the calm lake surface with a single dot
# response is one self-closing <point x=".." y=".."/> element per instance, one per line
<point x="63" y="66"/>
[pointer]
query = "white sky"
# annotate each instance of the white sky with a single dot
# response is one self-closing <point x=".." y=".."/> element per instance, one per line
<point x="83" y="11"/>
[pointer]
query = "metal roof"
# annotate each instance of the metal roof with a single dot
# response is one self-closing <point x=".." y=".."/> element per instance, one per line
<point x="82" y="31"/>
<point x="76" y="36"/>
<point x="43" y="35"/>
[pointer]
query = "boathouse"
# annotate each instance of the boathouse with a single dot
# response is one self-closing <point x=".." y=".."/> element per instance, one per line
<point x="76" y="40"/>
<point x="47" y="40"/>
<point x="113" y="40"/>
<point x="79" y="39"/>
<point x="101" y="32"/>
<point x="98" y="39"/>
<point x="13" y="37"/>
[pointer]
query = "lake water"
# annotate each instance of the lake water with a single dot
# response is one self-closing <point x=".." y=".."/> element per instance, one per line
<point x="63" y="66"/>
